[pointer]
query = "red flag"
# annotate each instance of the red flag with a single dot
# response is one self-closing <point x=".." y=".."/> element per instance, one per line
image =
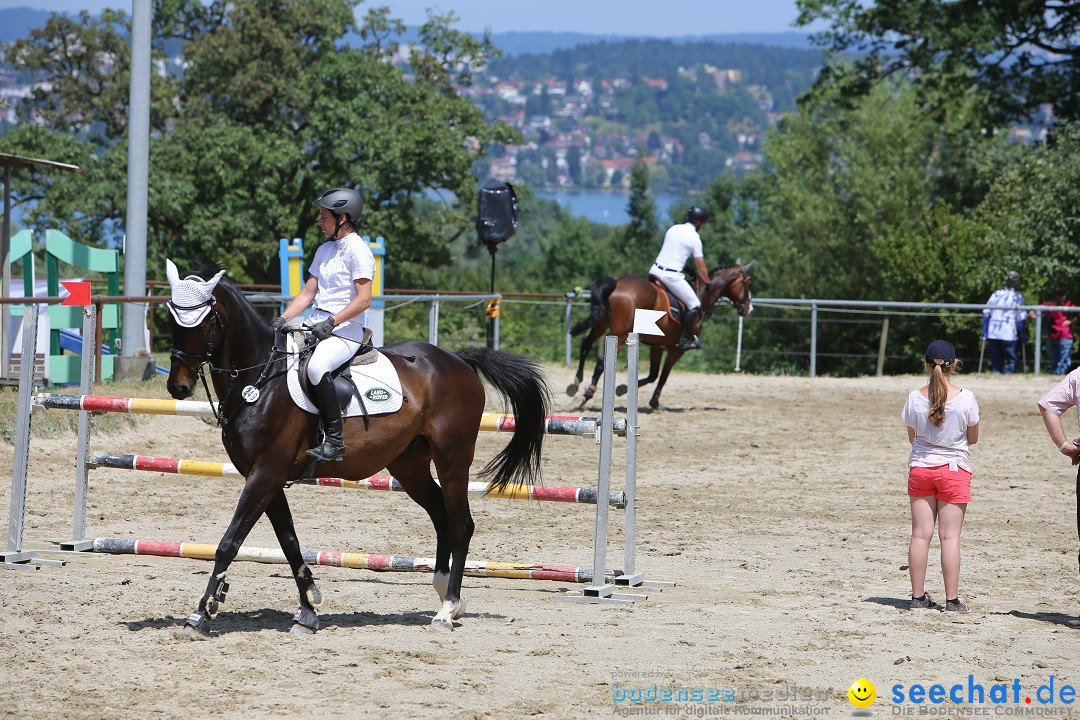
<point x="78" y="293"/>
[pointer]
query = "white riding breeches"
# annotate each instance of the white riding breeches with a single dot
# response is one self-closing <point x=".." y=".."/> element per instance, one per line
<point x="676" y="283"/>
<point x="329" y="355"/>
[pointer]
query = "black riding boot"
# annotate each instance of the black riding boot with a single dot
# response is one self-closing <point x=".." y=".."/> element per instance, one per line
<point x="333" y="448"/>
<point x="689" y="341"/>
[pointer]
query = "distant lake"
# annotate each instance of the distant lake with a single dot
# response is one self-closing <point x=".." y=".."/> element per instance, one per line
<point x="605" y="207"/>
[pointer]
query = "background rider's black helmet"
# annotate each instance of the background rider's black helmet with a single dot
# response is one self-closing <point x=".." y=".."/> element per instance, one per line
<point x="696" y="214"/>
<point x="1012" y="279"/>
<point x="342" y="201"/>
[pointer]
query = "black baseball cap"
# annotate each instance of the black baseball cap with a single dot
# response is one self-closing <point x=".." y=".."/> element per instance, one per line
<point x="940" y="350"/>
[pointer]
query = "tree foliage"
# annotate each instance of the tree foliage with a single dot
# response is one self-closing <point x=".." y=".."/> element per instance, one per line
<point x="641" y="239"/>
<point x="1018" y="54"/>
<point x="270" y="109"/>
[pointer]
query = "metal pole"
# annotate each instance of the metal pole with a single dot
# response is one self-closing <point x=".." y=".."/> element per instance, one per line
<point x="813" y="340"/>
<point x="1038" y="340"/>
<point x="133" y="336"/>
<point x="738" y="347"/>
<point x="569" y="307"/>
<point x="599" y="586"/>
<point x="86" y="386"/>
<point x="433" y="322"/>
<point x="630" y="576"/>
<point x="5" y="280"/>
<point x="17" y="510"/>
<point x="881" y="346"/>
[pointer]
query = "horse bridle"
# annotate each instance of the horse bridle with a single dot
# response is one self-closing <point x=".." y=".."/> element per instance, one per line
<point x="204" y="357"/>
<point x="742" y="275"/>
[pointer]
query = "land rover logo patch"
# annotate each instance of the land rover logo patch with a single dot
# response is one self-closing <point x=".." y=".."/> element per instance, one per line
<point x="377" y="394"/>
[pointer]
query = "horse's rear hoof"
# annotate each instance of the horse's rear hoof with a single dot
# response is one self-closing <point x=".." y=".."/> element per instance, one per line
<point x="298" y="629"/>
<point x="621" y="390"/>
<point x="197" y="627"/>
<point x="571" y="389"/>
<point x="443" y="624"/>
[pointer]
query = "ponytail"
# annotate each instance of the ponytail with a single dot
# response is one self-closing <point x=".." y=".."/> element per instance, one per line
<point x="939" y="393"/>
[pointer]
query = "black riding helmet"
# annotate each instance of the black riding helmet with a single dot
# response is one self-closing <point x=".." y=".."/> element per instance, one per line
<point x="343" y="201"/>
<point x="1012" y="279"/>
<point x="696" y="214"/>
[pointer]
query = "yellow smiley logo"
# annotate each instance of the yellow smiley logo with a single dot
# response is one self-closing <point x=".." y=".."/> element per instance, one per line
<point x="862" y="693"/>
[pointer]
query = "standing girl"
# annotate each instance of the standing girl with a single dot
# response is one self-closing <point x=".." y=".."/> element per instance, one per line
<point x="942" y="423"/>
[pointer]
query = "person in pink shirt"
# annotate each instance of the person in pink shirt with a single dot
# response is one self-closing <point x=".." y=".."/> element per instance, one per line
<point x="942" y="424"/>
<point x="1060" y="340"/>
<point x="1052" y="405"/>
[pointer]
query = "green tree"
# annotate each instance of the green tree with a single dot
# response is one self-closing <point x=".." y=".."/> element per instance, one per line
<point x="272" y="108"/>
<point x="1018" y="55"/>
<point x="1030" y="218"/>
<point x="639" y="241"/>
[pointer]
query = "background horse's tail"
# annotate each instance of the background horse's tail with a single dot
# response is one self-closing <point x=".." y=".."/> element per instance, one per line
<point x="520" y="381"/>
<point x="598" y="296"/>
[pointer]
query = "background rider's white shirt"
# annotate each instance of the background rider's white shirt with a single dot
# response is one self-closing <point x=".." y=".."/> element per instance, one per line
<point x="681" y="242"/>
<point x="1004" y="318"/>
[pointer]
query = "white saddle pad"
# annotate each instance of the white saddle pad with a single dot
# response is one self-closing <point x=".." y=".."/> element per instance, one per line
<point x="377" y="382"/>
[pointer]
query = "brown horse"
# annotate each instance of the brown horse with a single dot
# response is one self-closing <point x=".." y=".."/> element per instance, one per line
<point x="266" y="434"/>
<point x="612" y="304"/>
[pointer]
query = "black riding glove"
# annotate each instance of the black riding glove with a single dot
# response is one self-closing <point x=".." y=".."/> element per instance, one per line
<point x="278" y="324"/>
<point x="323" y="329"/>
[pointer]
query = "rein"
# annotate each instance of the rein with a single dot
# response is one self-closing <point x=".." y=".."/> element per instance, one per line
<point x="202" y="360"/>
<point x="722" y="288"/>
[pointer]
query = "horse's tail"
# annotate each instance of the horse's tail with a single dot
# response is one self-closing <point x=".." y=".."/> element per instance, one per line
<point x="520" y="381"/>
<point x="598" y="296"/>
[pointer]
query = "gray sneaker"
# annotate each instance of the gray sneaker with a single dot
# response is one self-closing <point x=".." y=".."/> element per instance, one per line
<point x="956" y="606"/>
<point x="926" y="602"/>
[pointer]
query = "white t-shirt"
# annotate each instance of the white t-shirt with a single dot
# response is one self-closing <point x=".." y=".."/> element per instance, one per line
<point x="336" y="265"/>
<point x="945" y="445"/>
<point x="1003" y="319"/>
<point x="680" y="243"/>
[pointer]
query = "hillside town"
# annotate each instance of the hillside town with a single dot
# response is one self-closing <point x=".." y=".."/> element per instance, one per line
<point x="573" y="135"/>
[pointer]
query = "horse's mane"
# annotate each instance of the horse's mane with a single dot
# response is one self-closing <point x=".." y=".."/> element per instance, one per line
<point x="206" y="268"/>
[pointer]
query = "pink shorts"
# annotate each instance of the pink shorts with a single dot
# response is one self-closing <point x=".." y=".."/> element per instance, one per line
<point x="953" y="486"/>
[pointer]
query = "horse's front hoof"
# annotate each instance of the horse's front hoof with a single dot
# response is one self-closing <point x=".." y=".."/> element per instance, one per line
<point x="305" y="621"/>
<point x="571" y="389"/>
<point x="654" y="404"/>
<point x="442" y="624"/>
<point x="197" y="627"/>
<point x="621" y="390"/>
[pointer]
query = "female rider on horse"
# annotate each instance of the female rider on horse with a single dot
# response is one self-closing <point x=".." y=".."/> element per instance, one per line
<point x="339" y="283"/>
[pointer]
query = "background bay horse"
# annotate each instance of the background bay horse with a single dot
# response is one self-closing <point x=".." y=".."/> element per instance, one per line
<point x="266" y="439"/>
<point x="613" y="302"/>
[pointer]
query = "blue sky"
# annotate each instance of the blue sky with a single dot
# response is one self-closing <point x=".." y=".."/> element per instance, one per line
<point x="618" y="17"/>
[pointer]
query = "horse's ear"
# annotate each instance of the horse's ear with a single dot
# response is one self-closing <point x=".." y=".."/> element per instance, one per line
<point x="749" y="265"/>
<point x="738" y="261"/>
<point x="212" y="282"/>
<point x="170" y="272"/>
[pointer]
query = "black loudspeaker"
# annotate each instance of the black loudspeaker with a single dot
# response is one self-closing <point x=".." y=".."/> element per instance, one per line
<point x="497" y="217"/>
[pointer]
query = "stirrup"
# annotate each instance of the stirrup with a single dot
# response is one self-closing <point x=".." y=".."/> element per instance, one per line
<point x="328" y="452"/>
